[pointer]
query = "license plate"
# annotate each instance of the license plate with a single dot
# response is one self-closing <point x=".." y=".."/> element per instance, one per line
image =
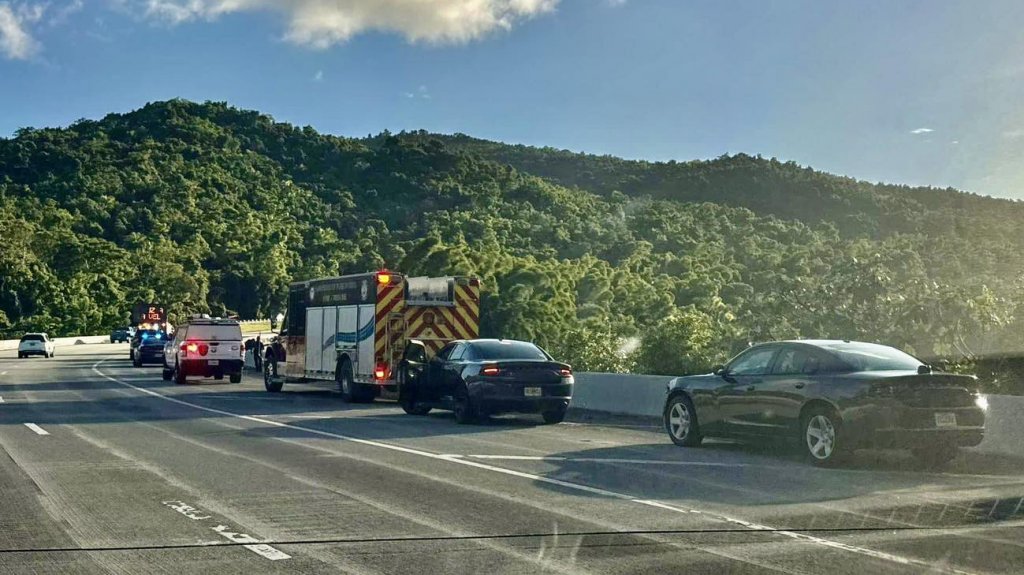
<point x="532" y="391"/>
<point x="213" y="362"/>
<point x="945" y="420"/>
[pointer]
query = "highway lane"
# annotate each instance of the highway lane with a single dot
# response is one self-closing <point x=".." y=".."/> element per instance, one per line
<point x="153" y="477"/>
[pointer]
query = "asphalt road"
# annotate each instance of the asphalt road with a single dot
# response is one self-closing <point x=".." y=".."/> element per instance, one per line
<point x="107" y="468"/>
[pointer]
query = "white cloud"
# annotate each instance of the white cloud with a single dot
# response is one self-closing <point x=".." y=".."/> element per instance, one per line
<point x="321" y="23"/>
<point x="319" y="76"/>
<point x="1013" y="134"/>
<point x="16" y="41"/>
<point x="922" y="131"/>
<point x="64" y="13"/>
<point x="422" y="92"/>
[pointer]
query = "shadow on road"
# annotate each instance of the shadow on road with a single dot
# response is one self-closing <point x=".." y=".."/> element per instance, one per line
<point x="772" y="474"/>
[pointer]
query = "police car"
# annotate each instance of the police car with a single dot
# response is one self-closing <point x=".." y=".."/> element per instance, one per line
<point x="205" y="347"/>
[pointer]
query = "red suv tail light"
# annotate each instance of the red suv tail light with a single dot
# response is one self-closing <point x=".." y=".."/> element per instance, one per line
<point x="565" y="372"/>
<point x="204" y="349"/>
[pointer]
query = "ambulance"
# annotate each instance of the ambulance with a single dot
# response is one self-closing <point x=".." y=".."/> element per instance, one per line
<point x="351" y="330"/>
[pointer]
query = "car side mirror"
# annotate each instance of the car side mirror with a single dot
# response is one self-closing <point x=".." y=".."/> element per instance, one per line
<point x="719" y="370"/>
<point x="924" y="369"/>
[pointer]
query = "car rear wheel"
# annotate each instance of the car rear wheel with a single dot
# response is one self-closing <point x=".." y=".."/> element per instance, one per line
<point x="136" y="361"/>
<point x="681" y="422"/>
<point x="179" y="375"/>
<point x="935" y="455"/>
<point x="553" y="417"/>
<point x="823" y="438"/>
<point x="166" y="374"/>
<point x="235" y="378"/>
<point x="270" y="378"/>
<point x="465" y="411"/>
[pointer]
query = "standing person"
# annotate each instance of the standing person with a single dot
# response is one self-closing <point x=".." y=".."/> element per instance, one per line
<point x="258" y="351"/>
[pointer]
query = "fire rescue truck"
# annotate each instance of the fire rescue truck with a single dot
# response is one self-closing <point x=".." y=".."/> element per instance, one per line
<point x="352" y="330"/>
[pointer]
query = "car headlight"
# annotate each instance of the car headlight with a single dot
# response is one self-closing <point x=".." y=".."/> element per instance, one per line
<point x="981" y="401"/>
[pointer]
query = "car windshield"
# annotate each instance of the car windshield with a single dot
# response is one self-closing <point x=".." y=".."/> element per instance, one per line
<point x="873" y="357"/>
<point x="33" y="337"/>
<point x="498" y="350"/>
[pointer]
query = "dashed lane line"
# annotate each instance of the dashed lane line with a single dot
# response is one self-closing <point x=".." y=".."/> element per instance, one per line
<point x="37" y="429"/>
<point x="803" y="537"/>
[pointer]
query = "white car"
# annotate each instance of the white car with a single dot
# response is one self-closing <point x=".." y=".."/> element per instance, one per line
<point x="205" y="347"/>
<point x="35" y="344"/>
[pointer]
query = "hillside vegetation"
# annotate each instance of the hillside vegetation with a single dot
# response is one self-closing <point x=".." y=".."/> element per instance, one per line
<point x="213" y="209"/>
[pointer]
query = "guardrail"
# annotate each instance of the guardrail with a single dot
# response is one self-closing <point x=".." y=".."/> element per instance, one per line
<point x="644" y="396"/>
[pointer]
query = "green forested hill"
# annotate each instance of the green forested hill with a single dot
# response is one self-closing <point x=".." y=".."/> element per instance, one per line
<point x="209" y="208"/>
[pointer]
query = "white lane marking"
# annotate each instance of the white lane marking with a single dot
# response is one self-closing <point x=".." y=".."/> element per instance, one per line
<point x="248" y="541"/>
<point x="186" y="510"/>
<point x="256" y="547"/>
<point x="898" y="559"/>
<point x="598" y="460"/>
<point x="37" y="429"/>
<point x="1" y="399"/>
<point x="3" y="373"/>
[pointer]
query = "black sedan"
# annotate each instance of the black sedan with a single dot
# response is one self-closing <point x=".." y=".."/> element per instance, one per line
<point x="480" y="377"/>
<point x="832" y="397"/>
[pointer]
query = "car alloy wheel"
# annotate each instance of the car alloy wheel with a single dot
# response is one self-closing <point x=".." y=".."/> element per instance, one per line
<point x="681" y="422"/>
<point x="820" y="435"/>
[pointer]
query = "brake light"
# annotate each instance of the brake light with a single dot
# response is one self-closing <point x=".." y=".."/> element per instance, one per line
<point x="565" y="372"/>
<point x="203" y="349"/>
<point x="191" y="348"/>
<point x="490" y="370"/>
<point x="381" y="371"/>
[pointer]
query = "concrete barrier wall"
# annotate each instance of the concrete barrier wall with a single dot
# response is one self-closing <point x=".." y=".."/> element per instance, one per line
<point x="12" y="344"/>
<point x="620" y="394"/>
<point x="644" y="396"/>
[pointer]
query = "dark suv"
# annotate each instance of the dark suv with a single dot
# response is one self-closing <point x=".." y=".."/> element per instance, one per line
<point x="120" y="335"/>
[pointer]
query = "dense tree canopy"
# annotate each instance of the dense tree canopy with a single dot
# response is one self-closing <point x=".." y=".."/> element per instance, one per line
<point x="612" y="264"/>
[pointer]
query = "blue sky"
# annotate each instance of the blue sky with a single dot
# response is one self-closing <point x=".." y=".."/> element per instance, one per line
<point x="916" y="92"/>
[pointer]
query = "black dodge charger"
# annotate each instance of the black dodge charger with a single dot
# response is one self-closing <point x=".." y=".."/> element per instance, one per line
<point x="479" y="377"/>
<point x="832" y="397"/>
